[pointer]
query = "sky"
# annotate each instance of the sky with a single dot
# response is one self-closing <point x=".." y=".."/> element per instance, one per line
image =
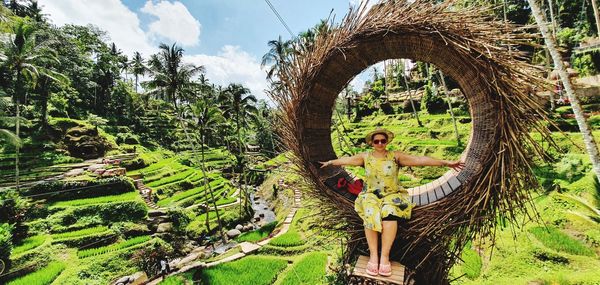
<point x="227" y="37"/>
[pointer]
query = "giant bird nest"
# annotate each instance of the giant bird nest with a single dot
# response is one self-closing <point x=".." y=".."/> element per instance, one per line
<point x="483" y="55"/>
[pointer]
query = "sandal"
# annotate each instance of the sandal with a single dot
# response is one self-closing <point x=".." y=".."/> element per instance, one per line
<point x="385" y="270"/>
<point x="370" y="270"/>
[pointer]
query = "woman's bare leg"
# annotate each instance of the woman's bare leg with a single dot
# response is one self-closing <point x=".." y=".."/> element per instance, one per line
<point x="372" y="239"/>
<point x="388" y="234"/>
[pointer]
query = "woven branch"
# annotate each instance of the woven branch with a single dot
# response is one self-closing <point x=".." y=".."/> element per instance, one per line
<point x="488" y="49"/>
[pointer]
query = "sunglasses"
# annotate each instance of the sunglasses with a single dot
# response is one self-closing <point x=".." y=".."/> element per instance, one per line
<point x="381" y="141"/>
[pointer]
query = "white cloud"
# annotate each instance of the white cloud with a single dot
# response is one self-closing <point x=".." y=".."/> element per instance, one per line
<point x="174" y="22"/>
<point x="121" y="24"/>
<point x="230" y="65"/>
<point x="233" y="65"/>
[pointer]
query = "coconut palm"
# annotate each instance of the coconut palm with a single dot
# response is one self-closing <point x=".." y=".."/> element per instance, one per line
<point x="170" y="76"/>
<point x="138" y="67"/>
<point x="588" y="139"/>
<point x="276" y="57"/>
<point x="207" y="117"/>
<point x="25" y="58"/>
<point x="238" y="104"/>
<point x="447" y="92"/>
<point x="6" y="135"/>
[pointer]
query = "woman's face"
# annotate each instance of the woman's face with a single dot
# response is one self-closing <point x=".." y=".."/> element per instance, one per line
<point x="379" y="142"/>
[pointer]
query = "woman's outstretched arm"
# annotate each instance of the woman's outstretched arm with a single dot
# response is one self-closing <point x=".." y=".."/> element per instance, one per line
<point x="411" y="160"/>
<point x="357" y="160"/>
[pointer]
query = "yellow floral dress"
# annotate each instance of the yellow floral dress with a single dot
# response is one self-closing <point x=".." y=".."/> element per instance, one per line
<point x="381" y="196"/>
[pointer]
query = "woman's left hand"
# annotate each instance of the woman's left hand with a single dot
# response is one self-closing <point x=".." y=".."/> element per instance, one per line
<point x="456" y="165"/>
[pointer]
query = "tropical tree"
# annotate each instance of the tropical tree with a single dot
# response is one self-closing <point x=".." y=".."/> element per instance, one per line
<point x="207" y="117"/>
<point x="588" y="139"/>
<point x="170" y="76"/>
<point x="238" y="104"/>
<point x="276" y="57"/>
<point x="6" y="135"/>
<point x="447" y="92"/>
<point x="138" y="67"/>
<point x="25" y="58"/>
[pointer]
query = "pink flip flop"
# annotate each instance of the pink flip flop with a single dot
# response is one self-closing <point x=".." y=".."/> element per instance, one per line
<point x="370" y="270"/>
<point x="385" y="270"/>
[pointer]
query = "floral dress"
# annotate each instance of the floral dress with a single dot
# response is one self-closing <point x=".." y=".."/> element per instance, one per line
<point x="381" y="196"/>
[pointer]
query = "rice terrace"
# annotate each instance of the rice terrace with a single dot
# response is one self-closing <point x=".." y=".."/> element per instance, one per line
<point x="299" y="142"/>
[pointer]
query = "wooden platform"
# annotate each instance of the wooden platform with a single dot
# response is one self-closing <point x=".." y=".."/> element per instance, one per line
<point x="397" y="272"/>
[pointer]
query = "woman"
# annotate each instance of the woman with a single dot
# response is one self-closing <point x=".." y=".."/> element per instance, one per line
<point x="382" y="202"/>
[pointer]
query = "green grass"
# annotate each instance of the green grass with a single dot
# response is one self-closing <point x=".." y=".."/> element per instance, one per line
<point x="129" y="196"/>
<point x="154" y="167"/>
<point x="259" y="234"/>
<point x="251" y="270"/>
<point x="559" y="241"/>
<point x="291" y="238"/>
<point x="41" y="277"/>
<point x="471" y="263"/>
<point x="172" y="178"/>
<point x="29" y="243"/>
<point x="79" y="233"/>
<point x="178" y="197"/>
<point x="310" y="269"/>
<point x="179" y="279"/>
<point x="130" y="243"/>
<point x="164" y="172"/>
<point x="226" y="200"/>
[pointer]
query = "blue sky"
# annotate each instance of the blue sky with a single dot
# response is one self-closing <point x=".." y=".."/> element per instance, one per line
<point x="228" y="37"/>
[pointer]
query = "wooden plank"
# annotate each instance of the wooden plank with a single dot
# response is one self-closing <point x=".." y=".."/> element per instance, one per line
<point x="424" y="198"/>
<point x="439" y="193"/>
<point x="454" y="183"/>
<point x="397" y="272"/>
<point x="447" y="189"/>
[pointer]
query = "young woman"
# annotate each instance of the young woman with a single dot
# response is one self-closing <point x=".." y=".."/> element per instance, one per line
<point x="382" y="202"/>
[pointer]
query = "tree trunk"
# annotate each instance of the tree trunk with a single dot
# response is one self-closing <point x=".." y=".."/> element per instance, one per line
<point x="588" y="138"/>
<point x="552" y="20"/>
<point x="412" y="104"/>
<point x="45" y="94"/>
<point x="18" y="126"/>
<point x="19" y="94"/>
<point x="239" y="159"/>
<point x="207" y="185"/>
<point x="596" y="16"/>
<point x="136" y="83"/>
<point x="443" y="81"/>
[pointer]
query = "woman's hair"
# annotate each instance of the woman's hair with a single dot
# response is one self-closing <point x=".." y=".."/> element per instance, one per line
<point x="383" y="134"/>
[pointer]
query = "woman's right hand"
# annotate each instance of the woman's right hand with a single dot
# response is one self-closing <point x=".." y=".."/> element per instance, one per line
<point x="325" y="164"/>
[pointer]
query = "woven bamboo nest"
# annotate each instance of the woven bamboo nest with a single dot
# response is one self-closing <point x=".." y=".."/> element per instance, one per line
<point x="482" y="55"/>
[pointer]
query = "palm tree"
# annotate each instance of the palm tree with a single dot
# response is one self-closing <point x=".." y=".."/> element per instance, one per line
<point x="276" y="57"/>
<point x="237" y="103"/>
<point x="6" y="135"/>
<point x="588" y="139"/>
<point x="207" y="118"/>
<point x="412" y="103"/>
<point x="447" y="92"/>
<point x="35" y="12"/>
<point x="170" y="76"/>
<point x="25" y="58"/>
<point x="138" y="68"/>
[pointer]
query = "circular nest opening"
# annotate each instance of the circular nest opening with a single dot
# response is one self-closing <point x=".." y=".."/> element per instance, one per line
<point x="484" y="56"/>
